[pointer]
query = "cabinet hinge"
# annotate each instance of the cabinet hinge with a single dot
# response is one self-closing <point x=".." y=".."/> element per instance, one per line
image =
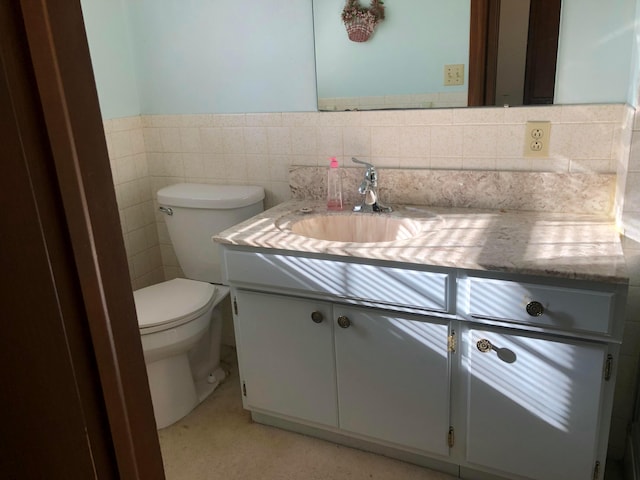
<point x="451" y="342"/>
<point x="244" y="389"/>
<point x="596" y="471"/>
<point x="608" y="366"/>
<point x="235" y="305"/>
<point x="451" y="437"/>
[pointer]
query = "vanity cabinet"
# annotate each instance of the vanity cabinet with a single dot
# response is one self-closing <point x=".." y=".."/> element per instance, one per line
<point x="388" y="379"/>
<point x="533" y="403"/>
<point x="286" y="358"/>
<point x="393" y="377"/>
<point x="483" y="375"/>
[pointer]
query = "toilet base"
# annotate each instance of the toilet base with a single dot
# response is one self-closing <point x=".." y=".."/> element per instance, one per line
<point x="173" y="392"/>
<point x="183" y="363"/>
<point x="205" y="387"/>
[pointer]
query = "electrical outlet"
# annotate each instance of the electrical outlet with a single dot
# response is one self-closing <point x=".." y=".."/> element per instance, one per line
<point x="537" y="139"/>
<point x="454" y="74"/>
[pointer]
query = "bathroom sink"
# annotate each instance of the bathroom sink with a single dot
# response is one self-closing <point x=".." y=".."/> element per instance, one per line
<point x="356" y="228"/>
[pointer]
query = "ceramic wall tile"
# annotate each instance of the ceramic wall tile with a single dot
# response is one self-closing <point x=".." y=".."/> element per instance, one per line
<point x="232" y="140"/>
<point x="193" y="165"/>
<point x="592" y="113"/>
<point x="446" y="141"/>
<point x="429" y="117"/>
<point x="510" y="141"/>
<point x="279" y="140"/>
<point x="357" y="141"/>
<point x="263" y="119"/>
<point x="304" y="140"/>
<point x="330" y="141"/>
<point x="152" y="141"/>
<point x="521" y="115"/>
<point x="190" y="140"/>
<point x="170" y="139"/>
<point x="385" y="141"/>
<point x="480" y="141"/>
<point x="211" y="140"/>
<point x="300" y="119"/>
<point x="415" y="141"/>
<point x="232" y="120"/>
<point x="126" y="167"/>
<point x="198" y="120"/>
<point x="478" y="116"/>
<point x="255" y="140"/>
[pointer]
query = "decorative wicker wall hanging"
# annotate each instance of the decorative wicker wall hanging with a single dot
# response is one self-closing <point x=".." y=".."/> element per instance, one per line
<point x="361" y="21"/>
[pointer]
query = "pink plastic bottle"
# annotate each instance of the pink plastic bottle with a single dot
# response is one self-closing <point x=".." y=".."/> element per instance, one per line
<point x="334" y="186"/>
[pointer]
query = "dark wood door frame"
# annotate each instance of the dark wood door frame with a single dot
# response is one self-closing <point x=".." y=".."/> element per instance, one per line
<point x="57" y="145"/>
<point x="542" y="48"/>
<point x="542" y="52"/>
<point x="483" y="51"/>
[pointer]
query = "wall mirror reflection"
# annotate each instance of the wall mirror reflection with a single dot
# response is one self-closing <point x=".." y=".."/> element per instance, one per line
<point x="512" y="52"/>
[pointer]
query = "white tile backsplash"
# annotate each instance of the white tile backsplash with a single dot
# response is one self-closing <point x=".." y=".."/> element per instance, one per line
<point x="279" y="140"/>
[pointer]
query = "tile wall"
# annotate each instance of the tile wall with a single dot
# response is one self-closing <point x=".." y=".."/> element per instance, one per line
<point x="628" y="371"/>
<point x="130" y="172"/>
<point x="149" y="152"/>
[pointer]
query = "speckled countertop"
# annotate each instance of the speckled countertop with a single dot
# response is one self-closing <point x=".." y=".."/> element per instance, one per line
<point x="576" y="246"/>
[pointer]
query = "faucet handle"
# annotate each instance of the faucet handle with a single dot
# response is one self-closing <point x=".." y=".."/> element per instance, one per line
<point x="367" y="164"/>
<point x="370" y="174"/>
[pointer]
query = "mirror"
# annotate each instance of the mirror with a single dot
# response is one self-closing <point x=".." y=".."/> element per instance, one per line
<point x="403" y="64"/>
<point x="394" y="68"/>
<point x="398" y="70"/>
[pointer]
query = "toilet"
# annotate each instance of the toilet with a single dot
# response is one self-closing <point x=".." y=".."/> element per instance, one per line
<point x="180" y="320"/>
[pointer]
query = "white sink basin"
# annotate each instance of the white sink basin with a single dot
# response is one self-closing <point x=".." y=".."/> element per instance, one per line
<point x="356" y="228"/>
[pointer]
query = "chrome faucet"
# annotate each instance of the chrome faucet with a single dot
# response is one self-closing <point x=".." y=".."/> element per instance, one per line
<point x="369" y="188"/>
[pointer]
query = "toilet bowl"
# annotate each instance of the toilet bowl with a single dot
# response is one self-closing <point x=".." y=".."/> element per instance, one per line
<point x="180" y="328"/>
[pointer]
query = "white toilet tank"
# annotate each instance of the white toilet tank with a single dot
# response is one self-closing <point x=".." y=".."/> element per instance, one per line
<point x="195" y="212"/>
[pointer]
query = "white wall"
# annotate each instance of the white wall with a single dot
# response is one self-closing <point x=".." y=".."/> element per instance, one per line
<point x="109" y="39"/>
<point x="204" y="56"/>
<point x="215" y="56"/>
<point x="595" y="51"/>
<point x="634" y="83"/>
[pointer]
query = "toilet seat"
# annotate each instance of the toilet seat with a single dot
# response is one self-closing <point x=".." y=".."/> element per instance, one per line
<point x="172" y="303"/>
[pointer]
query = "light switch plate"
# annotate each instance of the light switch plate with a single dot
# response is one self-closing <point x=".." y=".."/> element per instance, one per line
<point x="454" y="74"/>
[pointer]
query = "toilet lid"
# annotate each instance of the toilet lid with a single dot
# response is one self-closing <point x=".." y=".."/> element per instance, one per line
<point x="172" y="302"/>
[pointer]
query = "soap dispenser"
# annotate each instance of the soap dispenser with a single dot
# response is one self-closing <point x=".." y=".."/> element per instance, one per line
<point x="334" y="186"/>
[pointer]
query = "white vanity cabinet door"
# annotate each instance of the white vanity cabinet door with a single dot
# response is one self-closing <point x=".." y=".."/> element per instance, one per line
<point x="533" y="404"/>
<point x="286" y="358"/>
<point x="393" y="377"/>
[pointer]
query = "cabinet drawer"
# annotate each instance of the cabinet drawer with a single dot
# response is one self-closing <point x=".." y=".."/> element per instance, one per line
<point x="563" y="308"/>
<point x="387" y="285"/>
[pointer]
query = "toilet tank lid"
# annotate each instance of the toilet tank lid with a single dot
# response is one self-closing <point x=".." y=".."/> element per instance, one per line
<point x="174" y="301"/>
<point x="201" y="195"/>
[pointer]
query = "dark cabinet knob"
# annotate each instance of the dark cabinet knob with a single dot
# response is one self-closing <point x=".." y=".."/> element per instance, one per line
<point x="535" y="309"/>
<point x="343" y="321"/>
<point x="317" y="317"/>
<point x="485" y="345"/>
